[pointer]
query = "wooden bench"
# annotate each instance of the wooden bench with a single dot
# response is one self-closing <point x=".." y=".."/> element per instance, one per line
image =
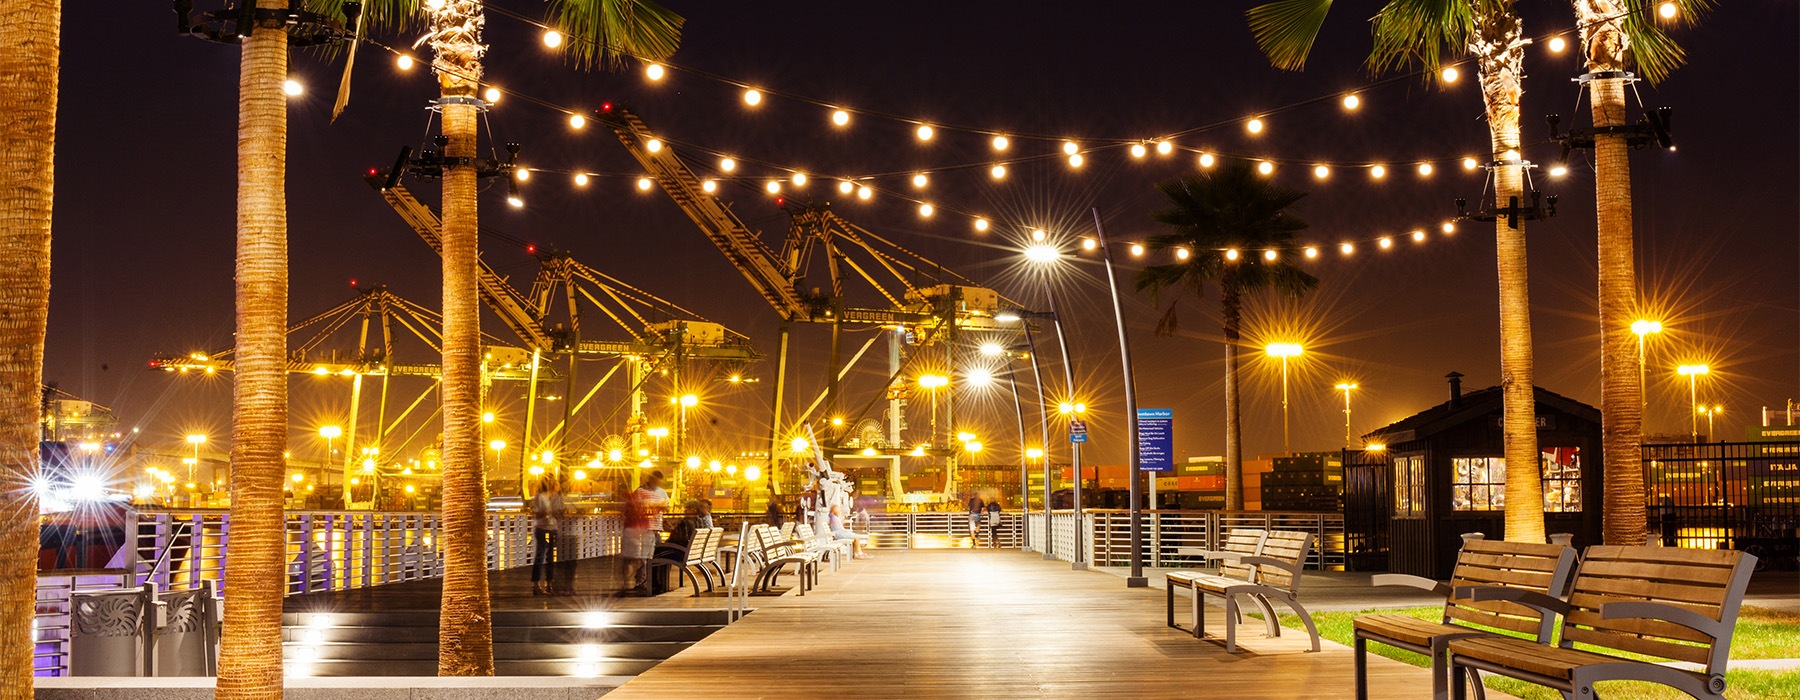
<point x="701" y="551"/>
<point x="1239" y="542"/>
<point x="1662" y="602"/>
<point x="1274" y="576"/>
<point x="774" y="554"/>
<point x="1542" y="568"/>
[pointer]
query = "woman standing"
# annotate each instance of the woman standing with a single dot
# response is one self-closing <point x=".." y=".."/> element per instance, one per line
<point x="546" y="522"/>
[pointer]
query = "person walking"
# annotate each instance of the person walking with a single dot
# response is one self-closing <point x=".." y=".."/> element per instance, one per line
<point x="546" y="523"/>
<point x="993" y="522"/>
<point x="643" y="519"/>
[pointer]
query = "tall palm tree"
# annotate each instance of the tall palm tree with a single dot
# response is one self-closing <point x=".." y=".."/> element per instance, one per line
<point x="250" y="647"/>
<point x="30" y="52"/>
<point x="1489" y="32"/>
<point x="1213" y="216"/>
<point x="601" y="33"/>
<point x="1613" y="34"/>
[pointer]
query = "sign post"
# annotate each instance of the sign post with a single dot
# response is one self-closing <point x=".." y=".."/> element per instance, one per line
<point x="1078" y="432"/>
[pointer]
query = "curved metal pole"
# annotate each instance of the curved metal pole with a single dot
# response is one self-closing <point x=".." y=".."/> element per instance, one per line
<point x="1037" y="378"/>
<point x="1136" y="578"/>
<point x="1024" y="480"/>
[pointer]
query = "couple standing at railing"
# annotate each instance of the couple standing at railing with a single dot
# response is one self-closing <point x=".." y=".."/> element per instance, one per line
<point x="988" y="512"/>
<point x="554" y="550"/>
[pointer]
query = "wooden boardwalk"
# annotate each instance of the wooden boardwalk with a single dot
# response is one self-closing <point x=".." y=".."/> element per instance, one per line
<point x="995" y="624"/>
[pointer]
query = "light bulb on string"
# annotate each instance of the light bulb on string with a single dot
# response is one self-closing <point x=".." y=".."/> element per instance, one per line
<point x="981" y="224"/>
<point x="552" y="38"/>
<point x="840" y="117"/>
<point x="1378" y="171"/>
<point x="799" y="179"/>
<point x="1270" y="255"/>
<point x="1070" y="148"/>
<point x="709" y="186"/>
<point x="1039" y="235"/>
<point x="1448" y="227"/>
<point x="577" y="121"/>
<point x="404" y="62"/>
<point x="752" y="96"/>
<point x="581" y="179"/>
<point x="1164" y="148"/>
<point x="292" y="87"/>
<point x="1668" y="10"/>
<point x="1089" y="244"/>
<point x="998" y="172"/>
<point x="1231" y="254"/>
<point x="925" y="132"/>
<point x="1469" y="163"/>
<point x="1351" y="102"/>
<point x="919" y="180"/>
<point x="1347" y="248"/>
<point x="1075" y="161"/>
<point x="1557" y="44"/>
<point x="1265" y="167"/>
<point x="1312" y="253"/>
<point x="926" y="210"/>
<point x="846" y="186"/>
<point x="1450" y="74"/>
<point x="1137" y="249"/>
<point x="1138" y="150"/>
<point x="773" y="186"/>
<point x="1418" y="236"/>
<point x="1001" y="143"/>
<point x="644" y="184"/>
<point x="1206" y="160"/>
<point x="1181" y="253"/>
<point x="654" y="71"/>
<point x="522" y="174"/>
<point x="1424" y="170"/>
<point x="1321" y="172"/>
<point x="864" y="193"/>
<point x="1254" y="126"/>
<point x="1385" y="242"/>
<point x="727" y="164"/>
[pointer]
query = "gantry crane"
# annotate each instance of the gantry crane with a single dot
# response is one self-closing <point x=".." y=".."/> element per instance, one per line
<point x="662" y="334"/>
<point x="925" y="304"/>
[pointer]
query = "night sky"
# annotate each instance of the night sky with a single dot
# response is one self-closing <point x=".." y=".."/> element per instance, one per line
<point x="145" y="187"/>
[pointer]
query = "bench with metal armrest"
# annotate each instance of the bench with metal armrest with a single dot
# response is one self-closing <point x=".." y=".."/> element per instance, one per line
<point x="1271" y="574"/>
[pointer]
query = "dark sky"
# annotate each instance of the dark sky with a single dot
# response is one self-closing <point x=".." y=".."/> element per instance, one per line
<point x="144" y="222"/>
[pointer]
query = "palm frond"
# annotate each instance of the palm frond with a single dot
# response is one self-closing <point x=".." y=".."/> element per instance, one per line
<point x="1286" y="29"/>
<point x="1652" y="49"/>
<point x="377" y="15"/>
<point x="605" y="33"/>
<point x="1426" y="31"/>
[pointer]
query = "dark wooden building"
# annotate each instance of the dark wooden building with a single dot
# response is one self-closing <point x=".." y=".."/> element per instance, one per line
<point x="1444" y="474"/>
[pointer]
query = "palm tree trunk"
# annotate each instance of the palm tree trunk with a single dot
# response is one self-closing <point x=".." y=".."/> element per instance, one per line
<point x="1231" y="316"/>
<point x="30" y="51"/>
<point x="250" y="647"/>
<point x="465" y="632"/>
<point x="1501" y="55"/>
<point x="1621" y="392"/>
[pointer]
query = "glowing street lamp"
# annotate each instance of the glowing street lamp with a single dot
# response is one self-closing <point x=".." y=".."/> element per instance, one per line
<point x="687" y="401"/>
<point x="1644" y="327"/>
<point x="1284" y="351"/>
<point x="330" y="432"/>
<point x="1710" y="411"/>
<point x="1693" y="372"/>
<point x="196" y="440"/>
<point x="1346" y="387"/>
<point x="659" y="433"/>
<point x="933" y="382"/>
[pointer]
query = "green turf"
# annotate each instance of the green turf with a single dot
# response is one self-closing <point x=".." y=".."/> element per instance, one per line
<point x="1761" y="633"/>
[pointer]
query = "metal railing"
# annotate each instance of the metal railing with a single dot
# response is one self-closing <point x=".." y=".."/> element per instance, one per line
<point x="1171" y="537"/>
<point x="937" y="530"/>
<point x="326" y="551"/>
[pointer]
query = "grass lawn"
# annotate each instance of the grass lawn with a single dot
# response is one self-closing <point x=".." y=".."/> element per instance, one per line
<point x="1761" y="633"/>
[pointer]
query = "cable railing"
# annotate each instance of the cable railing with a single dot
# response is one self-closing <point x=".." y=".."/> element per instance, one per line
<point x="1174" y="538"/>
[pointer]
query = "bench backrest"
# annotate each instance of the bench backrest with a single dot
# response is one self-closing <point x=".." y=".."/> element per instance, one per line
<point x="696" y="552"/>
<point x="787" y="530"/>
<point x="1288" y="547"/>
<point x="1543" y="568"/>
<point x="1710" y="582"/>
<point x="1247" y="541"/>
<point x="711" y="551"/>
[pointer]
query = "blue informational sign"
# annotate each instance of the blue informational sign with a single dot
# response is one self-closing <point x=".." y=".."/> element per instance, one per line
<point x="1156" y="439"/>
<point x="1077" y="431"/>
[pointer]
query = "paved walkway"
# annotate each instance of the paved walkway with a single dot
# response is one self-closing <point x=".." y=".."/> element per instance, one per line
<point x="995" y="624"/>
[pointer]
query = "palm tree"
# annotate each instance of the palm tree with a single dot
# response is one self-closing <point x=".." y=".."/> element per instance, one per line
<point x="1491" y="34"/>
<point x="250" y="646"/>
<point x="601" y="33"/>
<point x="29" y="56"/>
<point x="1213" y="216"/>
<point x="1611" y="36"/>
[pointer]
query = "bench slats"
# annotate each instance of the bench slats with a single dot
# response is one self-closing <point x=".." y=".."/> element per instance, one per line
<point x="1522" y="619"/>
<point x="1477" y="576"/>
<point x="1713" y="577"/>
<point x="1522" y="562"/>
<point x="1655" y="590"/>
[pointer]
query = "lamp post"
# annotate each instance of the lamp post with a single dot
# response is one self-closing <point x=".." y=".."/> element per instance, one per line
<point x="687" y="401"/>
<point x="196" y="440"/>
<point x="1693" y="372"/>
<point x="1037" y="378"/>
<point x="1711" y="411"/>
<point x="1346" y="387"/>
<point x="1045" y="254"/>
<point x="1136" y="578"/>
<point x="1285" y="351"/>
<point x="1644" y="327"/>
<point x="931" y="383"/>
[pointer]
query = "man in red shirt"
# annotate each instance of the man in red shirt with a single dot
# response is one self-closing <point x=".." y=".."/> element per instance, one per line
<point x="643" y="519"/>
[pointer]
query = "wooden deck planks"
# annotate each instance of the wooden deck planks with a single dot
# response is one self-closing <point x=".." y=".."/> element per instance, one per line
<point x="952" y="623"/>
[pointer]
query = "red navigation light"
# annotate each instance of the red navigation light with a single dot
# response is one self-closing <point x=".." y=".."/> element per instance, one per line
<point x="531" y="249"/>
<point x="606" y="106"/>
<point x="779" y="201"/>
<point x="372" y="171"/>
<point x="352" y="281"/>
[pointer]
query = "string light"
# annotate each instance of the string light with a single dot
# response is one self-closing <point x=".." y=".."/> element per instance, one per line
<point x="1069" y="147"/>
<point x="1450" y="74"/>
<point x="925" y="132"/>
<point x="1311" y="252"/>
<point x="1265" y="167"/>
<point x="1448" y="227"/>
<point x="846" y="186"/>
<point x="653" y="71"/>
<point x="840" y="117"/>
<point x="292" y="87"/>
<point x="727" y="164"/>
<point x="577" y="121"/>
<point x="1385" y="242"/>
<point x="1668" y="10"/>
<point x="1138" y="150"/>
<point x="644" y="183"/>
<point x="709" y="186"/>
<point x="864" y="193"/>
<point x="1351" y="102"/>
<point x="522" y="174"/>
<point x="1347" y="248"/>
<point x="1470" y="163"/>
<point x="1089" y="244"/>
<point x="1557" y="44"/>
<point x="1075" y="161"/>
<point x="752" y="97"/>
<point x="581" y="179"/>
<point x="1039" y="235"/>
<point x="1137" y="249"/>
<point x="1424" y="170"/>
<point x="773" y="187"/>
<point x="491" y="96"/>
<point x="920" y="181"/>
<point x="1206" y="160"/>
<point x="926" y="210"/>
<point x="1181" y="253"/>
<point x="799" y="179"/>
<point x="981" y="224"/>
<point x="1001" y="142"/>
<point x="1321" y="172"/>
<point x="1378" y="172"/>
<point x="1231" y="254"/>
<point x="998" y="172"/>
<point x="1255" y="126"/>
<point x="1418" y="236"/>
<point x="1270" y="255"/>
<point x="1164" y="148"/>
<point x="404" y="62"/>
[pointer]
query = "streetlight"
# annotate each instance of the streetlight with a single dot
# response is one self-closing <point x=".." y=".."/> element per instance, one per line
<point x="1643" y="327"/>
<point x="1693" y="372"/>
<point x="1346" y="387"/>
<point x="933" y="382"/>
<point x="687" y="401"/>
<point x="1134" y="460"/>
<point x="659" y="433"/>
<point x="1710" y="411"/>
<point x="1285" y="351"/>
<point x="196" y="440"/>
<point x="1041" y="254"/>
